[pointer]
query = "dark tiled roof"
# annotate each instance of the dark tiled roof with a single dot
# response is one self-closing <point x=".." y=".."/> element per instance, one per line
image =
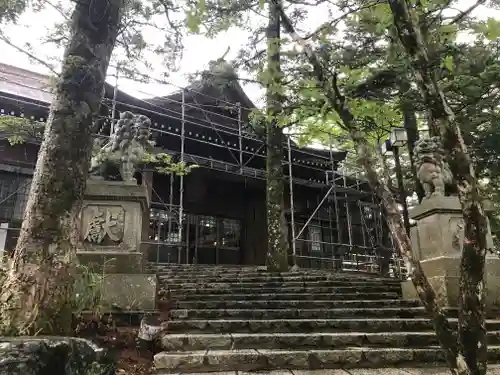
<point x="35" y="86"/>
<point x="24" y="83"/>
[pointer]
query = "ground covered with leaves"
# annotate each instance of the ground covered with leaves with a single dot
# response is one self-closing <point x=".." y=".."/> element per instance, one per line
<point x="131" y="357"/>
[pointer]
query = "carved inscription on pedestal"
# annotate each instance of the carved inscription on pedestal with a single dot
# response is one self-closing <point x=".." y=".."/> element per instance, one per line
<point x="103" y="225"/>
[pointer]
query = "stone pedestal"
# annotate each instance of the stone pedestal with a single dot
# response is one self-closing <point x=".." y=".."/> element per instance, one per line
<point x="437" y="241"/>
<point x="114" y="216"/>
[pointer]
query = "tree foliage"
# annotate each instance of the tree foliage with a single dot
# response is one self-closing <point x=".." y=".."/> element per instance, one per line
<point x="391" y="52"/>
<point x="352" y="78"/>
<point x="17" y="129"/>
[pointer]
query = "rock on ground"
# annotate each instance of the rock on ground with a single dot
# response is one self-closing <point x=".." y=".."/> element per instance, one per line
<point x="53" y="356"/>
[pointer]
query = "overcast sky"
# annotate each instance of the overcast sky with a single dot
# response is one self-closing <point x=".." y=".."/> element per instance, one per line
<point x="198" y="50"/>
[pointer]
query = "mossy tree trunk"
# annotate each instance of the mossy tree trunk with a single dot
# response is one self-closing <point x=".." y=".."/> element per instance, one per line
<point x="277" y="245"/>
<point x="411" y="126"/>
<point x="38" y="288"/>
<point x="472" y="330"/>
<point x="368" y="159"/>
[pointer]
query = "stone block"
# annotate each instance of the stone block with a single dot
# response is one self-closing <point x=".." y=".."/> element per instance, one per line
<point x="440" y="228"/>
<point x="437" y="242"/>
<point x="444" y="274"/>
<point x="415" y="242"/>
<point x="408" y="290"/>
<point x="117" y="190"/>
<point x="112" y="216"/>
<point x="134" y="292"/>
<point x="53" y="355"/>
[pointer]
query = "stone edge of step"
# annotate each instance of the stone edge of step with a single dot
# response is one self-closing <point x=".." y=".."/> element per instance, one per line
<point x="302" y="334"/>
<point x="303" y="341"/>
<point x="386" y="309"/>
<point x="263" y="296"/>
<point x="286" y="325"/>
<point x="266" y="359"/>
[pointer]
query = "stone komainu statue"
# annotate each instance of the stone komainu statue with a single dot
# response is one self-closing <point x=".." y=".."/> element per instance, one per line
<point x="432" y="170"/>
<point x="125" y="149"/>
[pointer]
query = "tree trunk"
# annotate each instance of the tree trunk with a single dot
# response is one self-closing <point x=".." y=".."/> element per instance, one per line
<point x="411" y="126"/>
<point x="424" y="289"/>
<point x="39" y="286"/>
<point x="277" y="245"/>
<point x="367" y="159"/>
<point x="472" y="330"/>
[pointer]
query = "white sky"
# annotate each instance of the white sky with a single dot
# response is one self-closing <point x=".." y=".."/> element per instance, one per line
<point x="198" y="50"/>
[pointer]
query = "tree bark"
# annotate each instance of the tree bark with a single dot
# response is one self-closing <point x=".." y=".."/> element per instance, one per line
<point x="277" y="245"/>
<point x="41" y="277"/>
<point x="411" y="126"/>
<point x="472" y="330"/>
<point x="367" y="159"/>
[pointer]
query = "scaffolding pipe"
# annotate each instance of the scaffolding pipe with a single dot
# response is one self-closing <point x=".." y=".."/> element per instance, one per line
<point x="240" y="141"/>
<point x="375" y="220"/>
<point x="337" y="215"/>
<point x="380" y="224"/>
<point x="330" y="227"/>
<point x="181" y="181"/>
<point x="335" y="200"/>
<point x="170" y="205"/>
<point x="363" y="223"/>
<point x="158" y="239"/>
<point x="113" y="107"/>
<point x="224" y="142"/>
<point x="292" y="206"/>
<point x="315" y="211"/>
<point x="348" y="214"/>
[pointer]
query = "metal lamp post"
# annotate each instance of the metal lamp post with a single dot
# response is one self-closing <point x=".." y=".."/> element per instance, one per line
<point x="398" y="138"/>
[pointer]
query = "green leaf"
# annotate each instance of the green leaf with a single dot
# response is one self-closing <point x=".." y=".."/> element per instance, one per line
<point x="448" y="63"/>
<point x="193" y="22"/>
<point x="15" y="140"/>
<point x="449" y="29"/>
<point x="202" y="6"/>
<point x="493" y="29"/>
<point x="489" y="29"/>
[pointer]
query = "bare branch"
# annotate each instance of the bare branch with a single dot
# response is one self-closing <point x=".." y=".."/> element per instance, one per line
<point x="5" y="39"/>
<point x="59" y="9"/>
<point x="337" y="20"/>
<point x="466" y="12"/>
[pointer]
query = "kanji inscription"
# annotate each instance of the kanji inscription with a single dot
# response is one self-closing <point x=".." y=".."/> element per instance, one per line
<point x="105" y="224"/>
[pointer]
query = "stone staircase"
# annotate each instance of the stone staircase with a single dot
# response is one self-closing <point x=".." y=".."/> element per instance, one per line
<point x="246" y="319"/>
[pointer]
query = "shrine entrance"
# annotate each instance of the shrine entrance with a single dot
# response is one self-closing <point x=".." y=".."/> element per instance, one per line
<point x="204" y="239"/>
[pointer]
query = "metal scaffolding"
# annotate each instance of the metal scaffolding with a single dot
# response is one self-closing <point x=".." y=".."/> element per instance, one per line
<point x="344" y="197"/>
<point x="181" y="183"/>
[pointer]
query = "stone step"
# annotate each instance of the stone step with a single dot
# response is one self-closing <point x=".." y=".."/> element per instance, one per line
<point x="312" y="340"/>
<point x="260" y="272"/>
<point x="237" y="289"/>
<point x="241" y="268"/>
<point x="442" y="370"/>
<point x="309" y="325"/>
<point x="295" y="304"/>
<point x="272" y="359"/>
<point x="286" y="296"/>
<point x="227" y="269"/>
<point x="206" y="266"/>
<point x="322" y="313"/>
<point x="277" y="283"/>
<point x="254" y="283"/>
<point x="271" y="277"/>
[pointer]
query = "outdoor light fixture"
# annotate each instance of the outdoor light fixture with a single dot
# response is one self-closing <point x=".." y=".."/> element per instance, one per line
<point x="398" y="137"/>
<point x="386" y="147"/>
